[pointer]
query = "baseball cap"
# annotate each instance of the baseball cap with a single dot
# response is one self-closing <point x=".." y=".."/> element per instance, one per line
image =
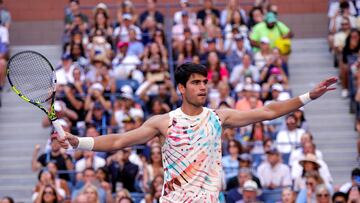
<point x="211" y="40"/>
<point x="275" y="71"/>
<point x="277" y="87"/>
<point x="245" y="157"/>
<point x="256" y="87"/>
<point x="128" y="119"/>
<point x="57" y="106"/>
<point x="251" y="185"/>
<point x="101" y="6"/>
<point x="97" y="86"/>
<point x="184" y="13"/>
<point x="98" y="105"/>
<point x="122" y="44"/>
<point x="272" y="150"/>
<point x="127" y="16"/>
<point x="66" y="56"/>
<point x="239" y="37"/>
<point x="270" y="17"/>
<point x="265" y="40"/>
<point x="248" y="87"/>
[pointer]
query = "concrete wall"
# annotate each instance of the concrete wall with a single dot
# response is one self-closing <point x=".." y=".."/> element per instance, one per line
<point x="41" y="21"/>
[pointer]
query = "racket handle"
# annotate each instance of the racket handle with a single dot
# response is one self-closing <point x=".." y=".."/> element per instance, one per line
<point x="60" y="130"/>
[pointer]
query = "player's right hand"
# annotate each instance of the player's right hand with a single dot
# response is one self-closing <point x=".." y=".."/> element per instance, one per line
<point x="65" y="141"/>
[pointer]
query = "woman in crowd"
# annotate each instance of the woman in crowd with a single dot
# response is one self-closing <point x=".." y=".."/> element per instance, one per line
<point x="153" y="169"/>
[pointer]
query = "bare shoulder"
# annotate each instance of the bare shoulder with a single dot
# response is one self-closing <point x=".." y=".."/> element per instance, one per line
<point x="222" y="113"/>
<point x="159" y="122"/>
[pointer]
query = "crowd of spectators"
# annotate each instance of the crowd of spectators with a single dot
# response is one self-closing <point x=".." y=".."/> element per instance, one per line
<point x="116" y="71"/>
<point x="344" y="43"/>
<point x="5" y="21"/>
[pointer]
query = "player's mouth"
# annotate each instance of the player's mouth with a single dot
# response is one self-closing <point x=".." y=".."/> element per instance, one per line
<point x="202" y="95"/>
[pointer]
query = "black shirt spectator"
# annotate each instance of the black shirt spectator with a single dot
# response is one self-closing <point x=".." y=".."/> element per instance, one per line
<point x="151" y="10"/>
<point x="208" y="9"/>
<point x="122" y="170"/>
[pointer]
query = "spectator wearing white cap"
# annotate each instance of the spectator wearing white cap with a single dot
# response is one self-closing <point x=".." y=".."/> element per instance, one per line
<point x="235" y="194"/>
<point x="125" y="107"/>
<point x="121" y="33"/>
<point x="250" y="192"/>
<point x="264" y="55"/>
<point x="185" y="6"/>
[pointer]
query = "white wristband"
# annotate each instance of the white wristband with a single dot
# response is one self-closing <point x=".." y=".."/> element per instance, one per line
<point x="85" y="143"/>
<point x="305" y="98"/>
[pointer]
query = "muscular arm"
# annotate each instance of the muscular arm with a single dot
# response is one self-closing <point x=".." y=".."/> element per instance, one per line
<point x="111" y="142"/>
<point x="234" y="118"/>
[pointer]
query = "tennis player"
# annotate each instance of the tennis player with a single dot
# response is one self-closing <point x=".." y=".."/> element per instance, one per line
<point x="191" y="136"/>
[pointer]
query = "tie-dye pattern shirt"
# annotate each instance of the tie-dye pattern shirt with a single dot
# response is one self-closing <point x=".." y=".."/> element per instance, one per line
<point x="192" y="157"/>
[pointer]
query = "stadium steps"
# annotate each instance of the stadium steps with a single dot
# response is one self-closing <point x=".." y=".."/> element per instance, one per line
<point x="20" y="130"/>
<point x="329" y="119"/>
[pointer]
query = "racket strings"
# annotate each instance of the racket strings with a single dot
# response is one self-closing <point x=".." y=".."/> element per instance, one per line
<point x="32" y="75"/>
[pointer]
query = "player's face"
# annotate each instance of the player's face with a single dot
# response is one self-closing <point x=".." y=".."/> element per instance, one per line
<point x="195" y="92"/>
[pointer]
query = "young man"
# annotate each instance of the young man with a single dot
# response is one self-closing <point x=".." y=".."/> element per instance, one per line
<point x="191" y="136"/>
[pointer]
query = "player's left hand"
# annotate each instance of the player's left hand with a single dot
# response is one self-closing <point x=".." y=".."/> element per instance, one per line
<point x="323" y="87"/>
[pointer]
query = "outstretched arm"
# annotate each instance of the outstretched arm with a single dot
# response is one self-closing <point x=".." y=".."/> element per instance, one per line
<point x="113" y="142"/>
<point x="234" y="118"/>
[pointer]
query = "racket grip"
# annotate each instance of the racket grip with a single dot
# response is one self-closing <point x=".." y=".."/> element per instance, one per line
<point x="60" y="130"/>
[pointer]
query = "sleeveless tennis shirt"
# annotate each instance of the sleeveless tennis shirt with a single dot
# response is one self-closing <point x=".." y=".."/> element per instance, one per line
<point x="192" y="158"/>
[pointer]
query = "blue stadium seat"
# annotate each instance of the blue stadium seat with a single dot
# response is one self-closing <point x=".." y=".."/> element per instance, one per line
<point x="285" y="158"/>
<point x="137" y="196"/>
<point x="271" y="196"/>
<point x="134" y="84"/>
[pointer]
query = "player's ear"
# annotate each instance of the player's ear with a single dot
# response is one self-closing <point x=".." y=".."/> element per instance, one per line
<point x="181" y="88"/>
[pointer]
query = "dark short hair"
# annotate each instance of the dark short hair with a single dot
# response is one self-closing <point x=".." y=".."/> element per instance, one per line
<point x="355" y="172"/>
<point x="339" y="194"/>
<point x="344" y="5"/>
<point x="184" y="71"/>
<point x="10" y="199"/>
<point x="75" y="1"/>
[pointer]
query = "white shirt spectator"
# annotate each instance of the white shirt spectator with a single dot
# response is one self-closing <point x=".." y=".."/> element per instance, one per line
<point x="122" y="33"/>
<point x="278" y="175"/>
<point x="335" y="6"/>
<point x="65" y="77"/>
<point x="178" y="17"/>
<point x="178" y="31"/>
<point x="97" y="163"/>
<point x="288" y="140"/>
<point x="238" y="74"/>
<point x="298" y="154"/>
<point x="4" y="35"/>
<point x="297" y="170"/>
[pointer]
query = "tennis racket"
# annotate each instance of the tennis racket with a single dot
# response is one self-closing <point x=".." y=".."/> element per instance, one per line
<point x="32" y="77"/>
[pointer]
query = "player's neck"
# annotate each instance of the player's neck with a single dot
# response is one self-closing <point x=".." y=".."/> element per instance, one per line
<point x="191" y="110"/>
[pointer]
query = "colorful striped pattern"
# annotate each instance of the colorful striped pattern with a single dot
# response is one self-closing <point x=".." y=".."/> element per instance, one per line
<point x="192" y="158"/>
